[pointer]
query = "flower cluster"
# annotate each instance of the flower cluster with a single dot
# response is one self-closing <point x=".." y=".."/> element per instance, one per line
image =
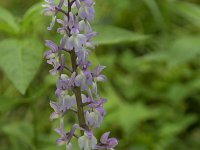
<point x="76" y="87"/>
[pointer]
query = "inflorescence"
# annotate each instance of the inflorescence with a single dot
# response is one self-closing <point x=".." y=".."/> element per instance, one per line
<point x="76" y="87"/>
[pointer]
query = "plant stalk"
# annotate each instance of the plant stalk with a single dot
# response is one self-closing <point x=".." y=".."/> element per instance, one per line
<point x="77" y="92"/>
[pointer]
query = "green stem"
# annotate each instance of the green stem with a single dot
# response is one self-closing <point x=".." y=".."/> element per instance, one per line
<point x="77" y="92"/>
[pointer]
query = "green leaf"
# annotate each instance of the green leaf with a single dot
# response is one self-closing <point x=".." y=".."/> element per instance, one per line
<point x="184" y="49"/>
<point x="171" y="129"/>
<point x="189" y="11"/>
<point x="154" y="9"/>
<point x="8" y="22"/>
<point x="138" y="112"/>
<point x="20" y="60"/>
<point x="33" y="14"/>
<point x="180" y="51"/>
<point x="108" y="35"/>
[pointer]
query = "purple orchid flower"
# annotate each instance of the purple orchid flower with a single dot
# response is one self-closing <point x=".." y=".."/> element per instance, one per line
<point x="65" y="83"/>
<point x="76" y="86"/>
<point x="51" y="10"/>
<point x="55" y="63"/>
<point x="86" y="11"/>
<point x="87" y="141"/>
<point x="107" y="143"/>
<point x="65" y="137"/>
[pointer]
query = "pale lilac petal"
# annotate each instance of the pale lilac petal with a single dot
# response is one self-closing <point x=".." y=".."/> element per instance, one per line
<point x="104" y="137"/>
<point x="74" y="31"/>
<point x="81" y="142"/>
<point x="86" y="12"/>
<point x="85" y="26"/>
<point x="69" y="43"/>
<point x="97" y="70"/>
<point x="84" y="98"/>
<point x="93" y="142"/>
<point x="60" y="3"/>
<point x="63" y="42"/>
<point x="87" y="143"/>
<point x="59" y="131"/>
<point x="47" y="53"/>
<point x="60" y="141"/>
<point x="53" y="116"/>
<point x="88" y="2"/>
<point x="55" y="106"/>
<point x="88" y="118"/>
<point x="88" y="76"/>
<point x="51" y="45"/>
<point x="101" y="110"/>
<point x="94" y="88"/>
<point x="71" y="20"/>
<point x="69" y="146"/>
<point x="90" y="35"/>
<point x="78" y="4"/>
<point x="101" y="78"/>
<point x="112" y="142"/>
<point x="60" y="21"/>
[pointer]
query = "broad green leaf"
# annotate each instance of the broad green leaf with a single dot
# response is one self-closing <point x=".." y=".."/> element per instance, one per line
<point x="108" y="35"/>
<point x="8" y="22"/>
<point x="20" y="60"/>
<point x="32" y="14"/>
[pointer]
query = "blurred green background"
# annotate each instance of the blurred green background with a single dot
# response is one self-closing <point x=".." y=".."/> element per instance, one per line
<point x="151" y="49"/>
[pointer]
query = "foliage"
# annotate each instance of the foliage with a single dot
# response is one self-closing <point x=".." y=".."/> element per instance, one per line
<point x="151" y="48"/>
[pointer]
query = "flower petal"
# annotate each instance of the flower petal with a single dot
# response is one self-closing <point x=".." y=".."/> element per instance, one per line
<point x="104" y="138"/>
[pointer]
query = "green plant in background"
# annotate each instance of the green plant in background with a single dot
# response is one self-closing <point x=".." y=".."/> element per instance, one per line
<point x="154" y="78"/>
